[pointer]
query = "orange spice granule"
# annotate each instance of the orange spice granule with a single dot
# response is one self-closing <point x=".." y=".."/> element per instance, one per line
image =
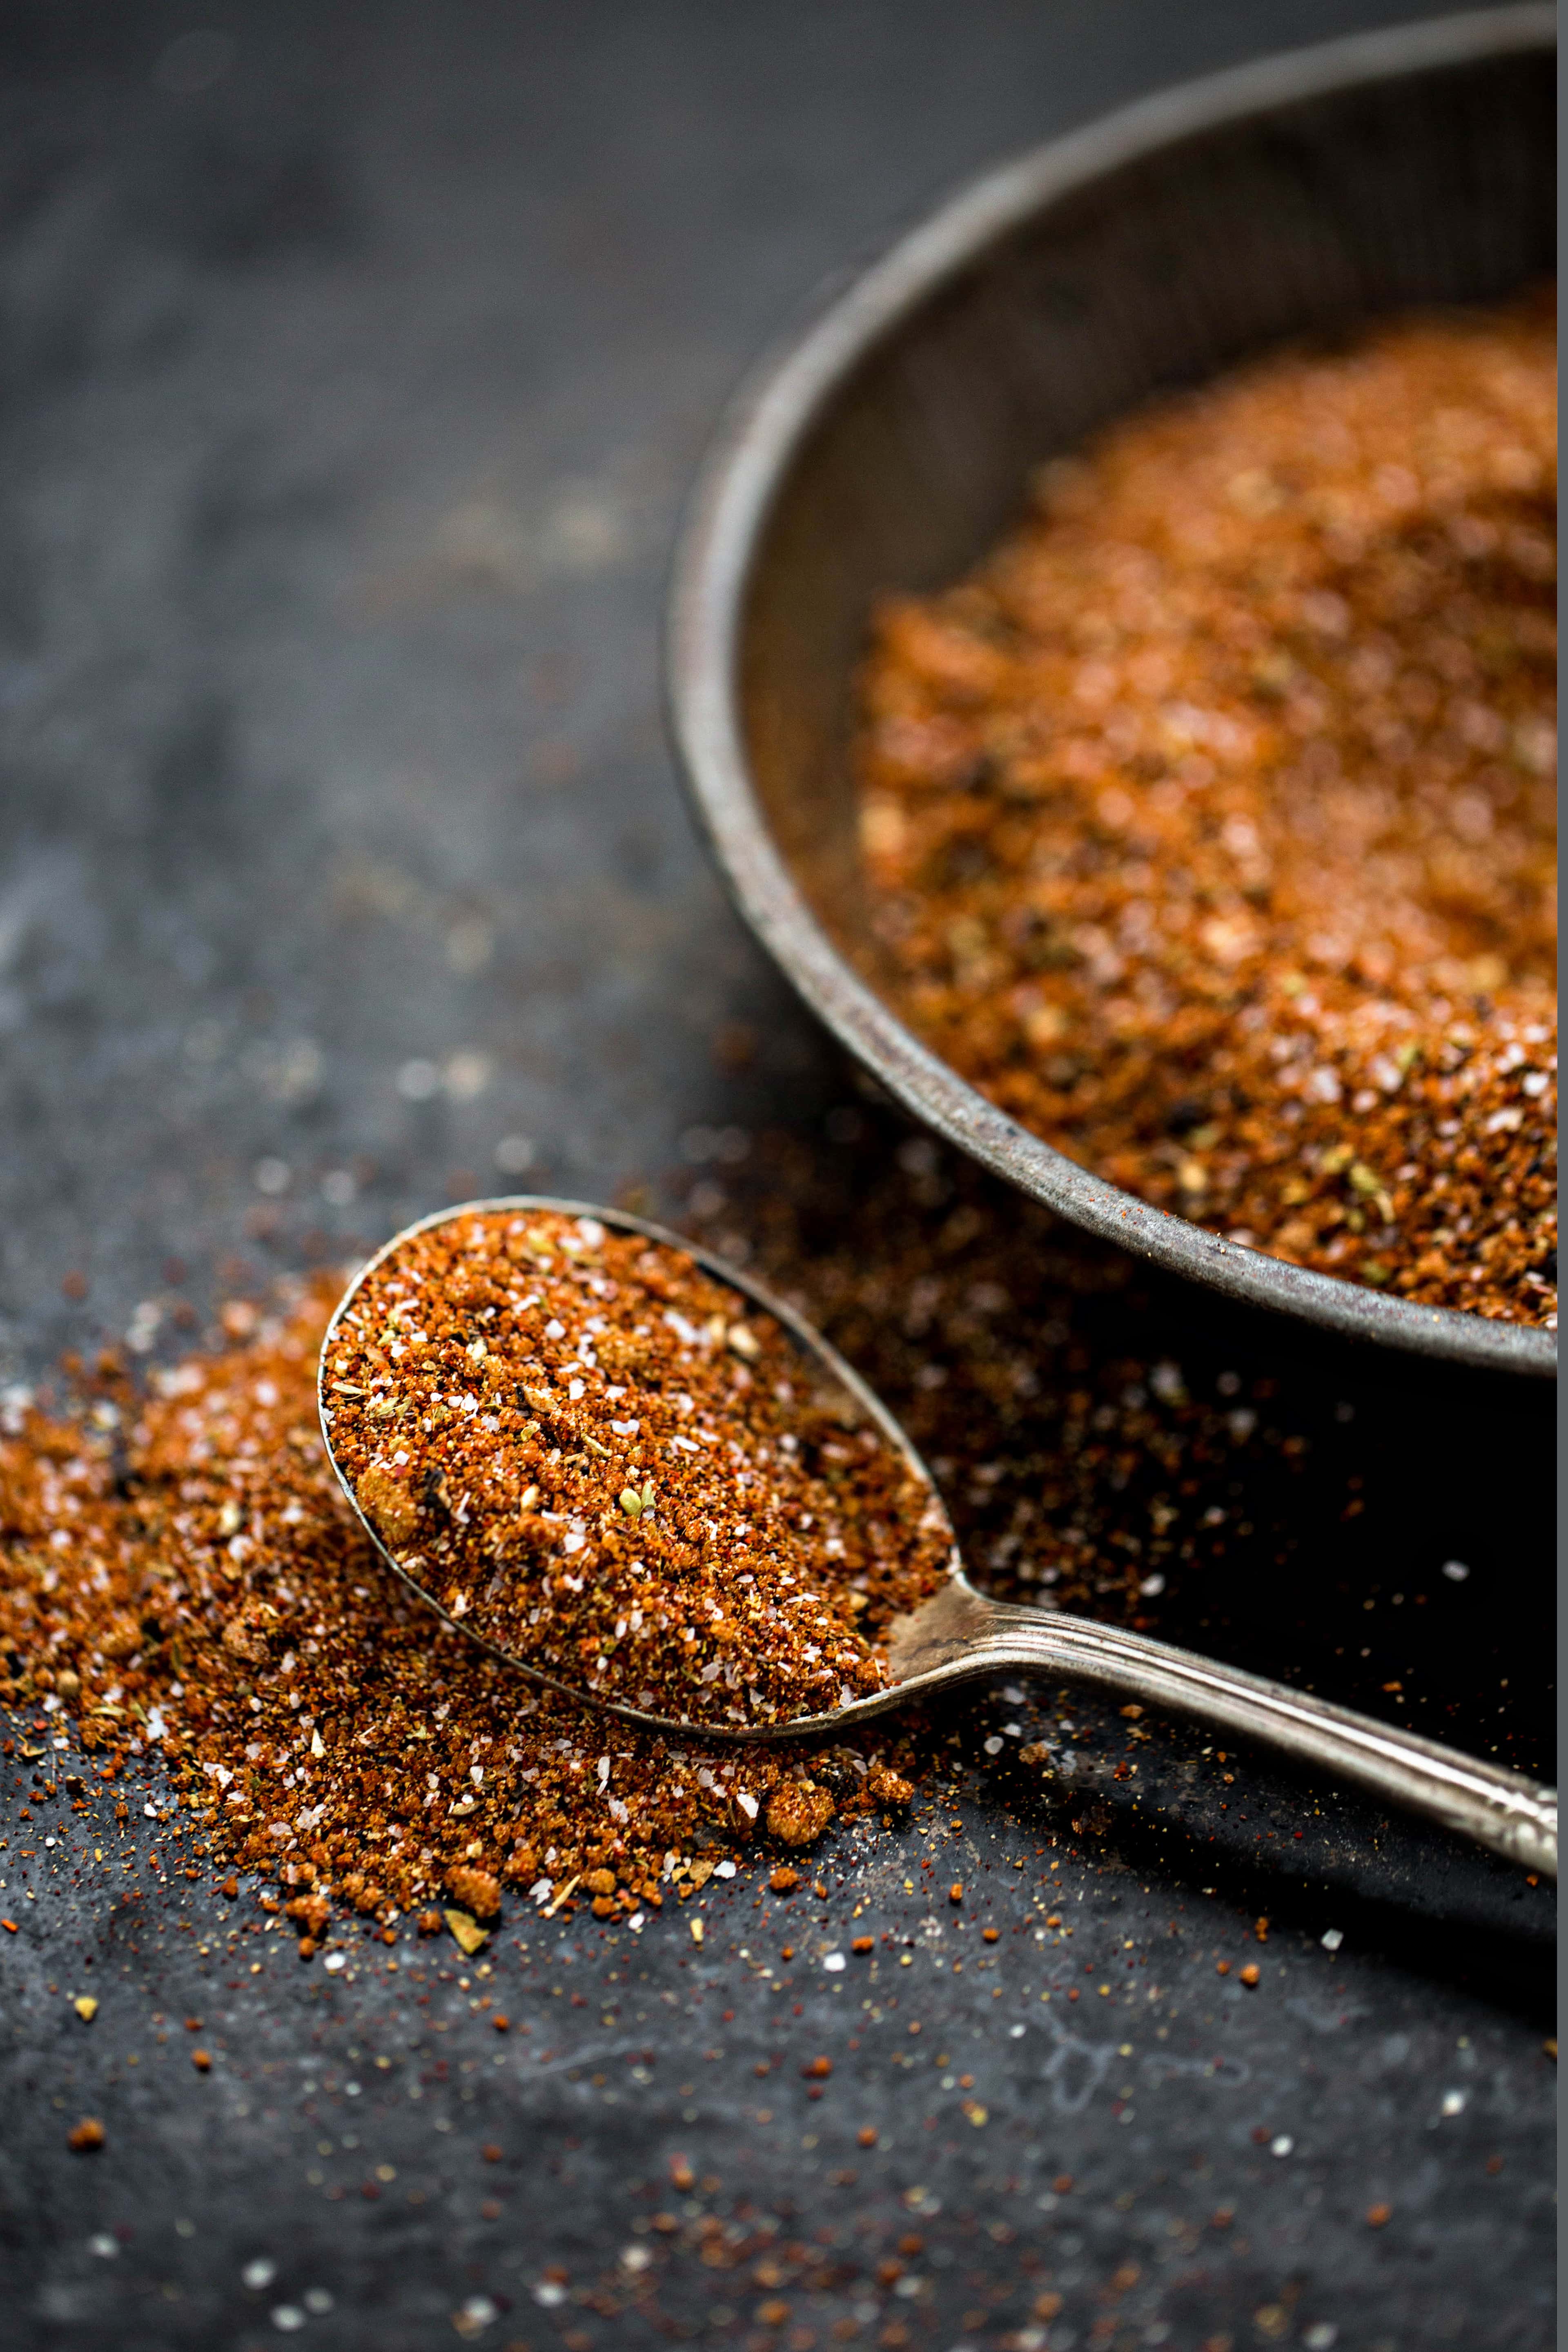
<point x="1211" y="826"/>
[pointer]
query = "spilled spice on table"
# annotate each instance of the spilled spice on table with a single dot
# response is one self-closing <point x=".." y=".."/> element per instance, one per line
<point x="214" y="1598"/>
<point x="1211" y="822"/>
<point x="194" y="1585"/>
<point x="602" y="1458"/>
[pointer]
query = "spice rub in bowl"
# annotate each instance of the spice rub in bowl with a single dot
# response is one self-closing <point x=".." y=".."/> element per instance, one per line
<point x="599" y="1458"/>
<point x="1210" y="824"/>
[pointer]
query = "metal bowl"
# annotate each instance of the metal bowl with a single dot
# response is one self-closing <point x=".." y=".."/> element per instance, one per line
<point x="887" y="447"/>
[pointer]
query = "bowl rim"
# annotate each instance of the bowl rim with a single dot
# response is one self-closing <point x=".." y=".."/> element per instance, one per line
<point x="760" y="437"/>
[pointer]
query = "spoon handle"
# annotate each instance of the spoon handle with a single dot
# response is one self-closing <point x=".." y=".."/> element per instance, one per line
<point x="1501" y="1810"/>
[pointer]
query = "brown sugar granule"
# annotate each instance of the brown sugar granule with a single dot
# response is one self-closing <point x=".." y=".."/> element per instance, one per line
<point x="798" y="1812"/>
<point x="312" y="1912"/>
<point x="600" y="1457"/>
<point x="367" y="1758"/>
<point x="478" y="1891"/>
<point x="1210" y="824"/>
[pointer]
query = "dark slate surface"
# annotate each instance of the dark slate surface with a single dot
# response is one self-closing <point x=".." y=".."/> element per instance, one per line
<point x="353" y="362"/>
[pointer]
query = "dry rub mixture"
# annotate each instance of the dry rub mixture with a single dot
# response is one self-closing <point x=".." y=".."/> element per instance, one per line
<point x="181" y="1578"/>
<point x="588" y="1454"/>
<point x="194" y="1582"/>
<point x="1211" y="822"/>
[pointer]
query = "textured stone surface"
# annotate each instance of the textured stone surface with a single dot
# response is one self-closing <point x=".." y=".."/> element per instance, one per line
<point x="349" y="396"/>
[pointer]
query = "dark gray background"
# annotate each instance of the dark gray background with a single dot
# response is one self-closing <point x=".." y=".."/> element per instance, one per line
<point x="353" y="367"/>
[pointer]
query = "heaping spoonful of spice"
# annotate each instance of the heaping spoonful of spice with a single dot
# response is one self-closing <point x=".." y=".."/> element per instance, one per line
<point x="627" y="1469"/>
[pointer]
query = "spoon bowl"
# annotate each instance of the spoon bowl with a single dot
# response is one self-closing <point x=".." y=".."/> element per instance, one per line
<point x="960" y="1634"/>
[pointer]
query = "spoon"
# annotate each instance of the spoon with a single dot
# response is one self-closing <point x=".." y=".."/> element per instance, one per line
<point x="960" y="1634"/>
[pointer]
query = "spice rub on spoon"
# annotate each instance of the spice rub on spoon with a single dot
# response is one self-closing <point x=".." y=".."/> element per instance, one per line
<point x="589" y="1451"/>
<point x="623" y="1466"/>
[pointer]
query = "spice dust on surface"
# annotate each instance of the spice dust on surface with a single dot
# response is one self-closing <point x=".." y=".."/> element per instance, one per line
<point x="182" y="1577"/>
<point x="1210" y="824"/>
<point x="608" y="1463"/>
<point x="212" y="1596"/>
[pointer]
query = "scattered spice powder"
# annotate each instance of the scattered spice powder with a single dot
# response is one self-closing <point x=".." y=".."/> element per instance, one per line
<point x="603" y="1459"/>
<point x="1028" y="1361"/>
<point x="1210" y="824"/>
<point x="213" y="1597"/>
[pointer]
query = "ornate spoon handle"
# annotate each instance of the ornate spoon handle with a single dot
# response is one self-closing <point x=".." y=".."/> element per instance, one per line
<point x="1501" y="1810"/>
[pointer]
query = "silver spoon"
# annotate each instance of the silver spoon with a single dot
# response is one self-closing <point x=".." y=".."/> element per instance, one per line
<point x="960" y="1634"/>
